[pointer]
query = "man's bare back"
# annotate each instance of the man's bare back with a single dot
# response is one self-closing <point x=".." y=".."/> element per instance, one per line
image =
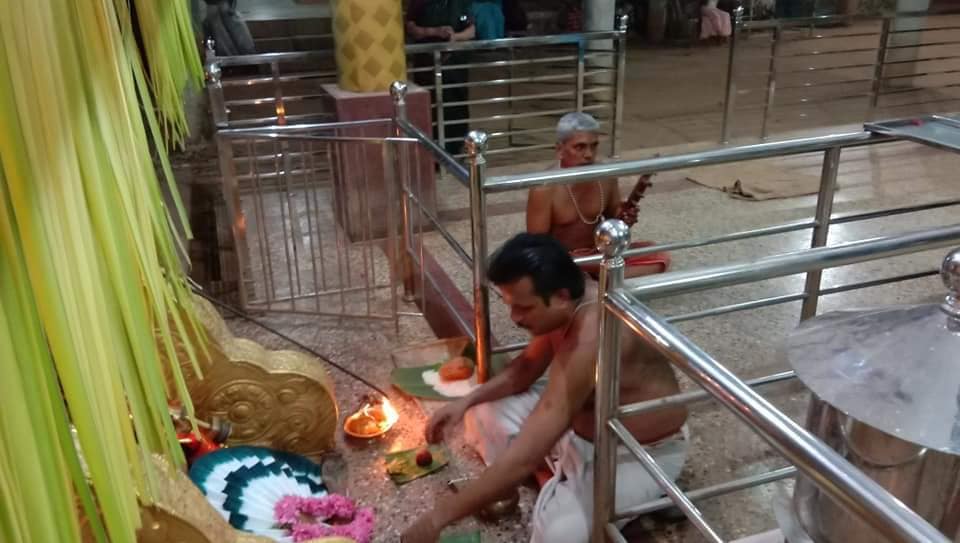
<point x="644" y="375"/>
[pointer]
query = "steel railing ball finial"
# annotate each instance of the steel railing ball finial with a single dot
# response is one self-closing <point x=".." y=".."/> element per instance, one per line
<point x="612" y="237"/>
<point x="213" y="72"/>
<point x="623" y="22"/>
<point x="950" y="274"/>
<point x="476" y="142"/>
<point x="398" y="90"/>
<point x="738" y="13"/>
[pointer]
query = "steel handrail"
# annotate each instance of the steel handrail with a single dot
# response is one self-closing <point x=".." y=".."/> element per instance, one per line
<point x="526" y="41"/>
<point x="794" y="22"/>
<point x="452" y="165"/>
<point x="720" y="155"/>
<point x="827" y="468"/>
<point x="420" y="48"/>
<point x="674" y="283"/>
<point x="306" y="127"/>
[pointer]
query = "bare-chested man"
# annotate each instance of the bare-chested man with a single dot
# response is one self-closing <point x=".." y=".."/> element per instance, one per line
<point x="571" y="212"/>
<point x="516" y="420"/>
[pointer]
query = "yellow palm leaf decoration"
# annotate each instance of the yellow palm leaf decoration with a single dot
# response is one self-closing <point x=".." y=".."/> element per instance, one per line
<point x="90" y="274"/>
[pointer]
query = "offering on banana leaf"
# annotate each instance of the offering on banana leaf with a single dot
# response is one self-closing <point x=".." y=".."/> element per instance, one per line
<point x="456" y="369"/>
<point x="443" y="380"/>
<point x="403" y="466"/>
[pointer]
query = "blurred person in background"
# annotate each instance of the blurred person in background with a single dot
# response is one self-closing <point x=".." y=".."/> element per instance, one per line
<point x="439" y="21"/>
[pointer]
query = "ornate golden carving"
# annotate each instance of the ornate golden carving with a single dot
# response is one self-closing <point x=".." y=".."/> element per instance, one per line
<point x="181" y="514"/>
<point x="278" y="399"/>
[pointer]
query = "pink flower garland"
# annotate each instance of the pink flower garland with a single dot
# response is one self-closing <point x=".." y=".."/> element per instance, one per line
<point x="306" y="518"/>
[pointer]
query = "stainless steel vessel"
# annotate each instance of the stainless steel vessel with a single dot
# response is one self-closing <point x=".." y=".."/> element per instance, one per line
<point x="886" y="395"/>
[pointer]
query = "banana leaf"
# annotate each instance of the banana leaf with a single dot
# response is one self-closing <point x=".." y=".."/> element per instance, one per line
<point x="402" y="465"/>
<point x="410" y="380"/>
<point x="470" y="537"/>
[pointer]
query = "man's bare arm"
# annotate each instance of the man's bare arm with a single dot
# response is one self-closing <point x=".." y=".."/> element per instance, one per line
<point x="564" y="397"/>
<point x="519" y="375"/>
<point x="522" y="372"/>
<point x="539" y="210"/>
<point x="421" y="32"/>
<point x="613" y="199"/>
<point x="466" y="34"/>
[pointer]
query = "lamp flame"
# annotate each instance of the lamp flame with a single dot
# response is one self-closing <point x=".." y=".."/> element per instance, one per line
<point x="380" y="412"/>
<point x="390" y="415"/>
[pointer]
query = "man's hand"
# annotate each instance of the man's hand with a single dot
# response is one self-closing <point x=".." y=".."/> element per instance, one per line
<point x="442" y="32"/>
<point x="448" y="415"/>
<point x="424" y="530"/>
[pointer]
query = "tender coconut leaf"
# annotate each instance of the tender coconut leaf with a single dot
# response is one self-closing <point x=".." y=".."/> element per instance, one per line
<point x="91" y="283"/>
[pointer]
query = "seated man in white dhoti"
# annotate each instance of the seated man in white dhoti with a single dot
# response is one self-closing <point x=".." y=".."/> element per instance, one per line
<point x="516" y="420"/>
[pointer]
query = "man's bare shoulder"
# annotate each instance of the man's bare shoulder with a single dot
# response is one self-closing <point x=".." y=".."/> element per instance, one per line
<point x="584" y="330"/>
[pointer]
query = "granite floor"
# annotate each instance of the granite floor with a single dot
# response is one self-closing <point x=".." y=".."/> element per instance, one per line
<point x="674" y="104"/>
<point x="870" y="178"/>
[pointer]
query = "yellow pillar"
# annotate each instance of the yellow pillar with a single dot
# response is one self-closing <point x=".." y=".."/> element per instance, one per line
<point x="368" y="38"/>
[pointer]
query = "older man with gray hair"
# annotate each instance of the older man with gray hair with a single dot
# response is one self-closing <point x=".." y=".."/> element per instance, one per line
<point x="570" y="213"/>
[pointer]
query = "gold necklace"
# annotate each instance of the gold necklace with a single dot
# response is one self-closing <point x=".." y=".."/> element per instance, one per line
<point x="576" y="207"/>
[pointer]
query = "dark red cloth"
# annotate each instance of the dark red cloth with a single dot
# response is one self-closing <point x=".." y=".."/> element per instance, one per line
<point x="661" y="258"/>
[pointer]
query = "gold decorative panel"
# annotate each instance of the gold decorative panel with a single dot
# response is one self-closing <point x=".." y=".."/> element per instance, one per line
<point x="182" y="515"/>
<point x="278" y="399"/>
<point x="368" y="37"/>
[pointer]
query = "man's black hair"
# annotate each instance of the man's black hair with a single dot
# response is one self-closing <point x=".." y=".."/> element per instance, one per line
<point x="541" y="258"/>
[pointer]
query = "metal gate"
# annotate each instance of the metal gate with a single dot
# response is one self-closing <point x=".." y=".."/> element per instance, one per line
<point x="314" y="218"/>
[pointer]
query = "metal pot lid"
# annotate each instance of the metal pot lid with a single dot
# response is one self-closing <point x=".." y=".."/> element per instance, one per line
<point x="896" y="369"/>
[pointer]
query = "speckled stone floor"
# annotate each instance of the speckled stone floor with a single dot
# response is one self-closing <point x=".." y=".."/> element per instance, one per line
<point x="884" y="176"/>
<point x="676" y="209"/>
<point x="365" y="349"/>
<point x="674" y="101"/>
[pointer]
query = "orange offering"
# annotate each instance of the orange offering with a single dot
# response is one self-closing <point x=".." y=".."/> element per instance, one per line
<point x="456" y="369"/>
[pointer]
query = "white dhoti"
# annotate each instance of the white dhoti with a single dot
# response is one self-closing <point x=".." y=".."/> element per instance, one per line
<point x="564" y="509"/>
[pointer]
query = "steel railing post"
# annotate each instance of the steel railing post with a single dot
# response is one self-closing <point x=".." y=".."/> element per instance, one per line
<point x="475" y="147"/>
<point x="612" y="239"/>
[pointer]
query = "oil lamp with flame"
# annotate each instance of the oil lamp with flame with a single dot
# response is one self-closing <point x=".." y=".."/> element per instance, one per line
<point x="374" y="418"/>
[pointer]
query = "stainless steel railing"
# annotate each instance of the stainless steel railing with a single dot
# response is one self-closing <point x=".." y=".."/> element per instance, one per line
<point x="475" y="257"/>
<point x="863" y="493"/>
<point x="831" y="472"/>
<point x="830" y="145"/>
<point x="808" y="454"/>
<point x="517" y="87"/>
<point x="303" y="231"/>
<point x="845" y="68"/>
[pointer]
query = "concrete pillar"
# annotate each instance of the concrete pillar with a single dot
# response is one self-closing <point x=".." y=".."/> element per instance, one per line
<point x="368" y="39"/>
<point x="599" y="15"/>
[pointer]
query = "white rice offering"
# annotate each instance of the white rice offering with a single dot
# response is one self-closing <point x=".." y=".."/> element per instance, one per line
<point x="452" y="389"/>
